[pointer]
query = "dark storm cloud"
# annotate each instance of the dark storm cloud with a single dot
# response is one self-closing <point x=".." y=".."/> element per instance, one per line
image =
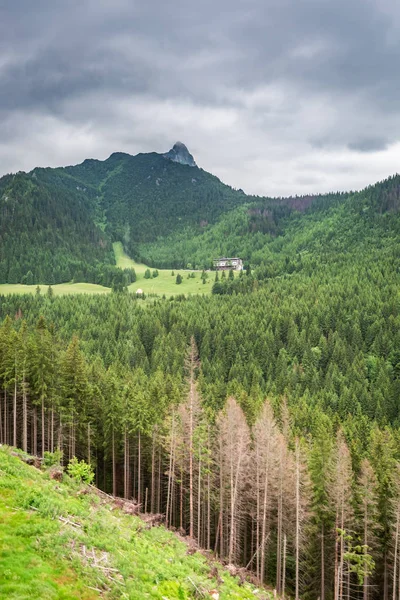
<point x="368" y="144"/>
<point x="241" y="80"/>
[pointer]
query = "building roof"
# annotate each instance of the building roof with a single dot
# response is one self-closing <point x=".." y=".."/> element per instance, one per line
<point x="224" y="258"/>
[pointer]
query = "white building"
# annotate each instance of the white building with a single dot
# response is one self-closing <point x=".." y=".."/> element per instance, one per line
<point x="228" y="264"/>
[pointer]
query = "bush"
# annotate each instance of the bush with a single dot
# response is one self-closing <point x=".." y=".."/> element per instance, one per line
<point x="80" y="471"/>
<point x="52" y="459"/>
<point x="179" y="279"/>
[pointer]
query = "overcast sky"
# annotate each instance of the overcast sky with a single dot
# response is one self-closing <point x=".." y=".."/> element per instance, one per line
<point x="274" y="96"/>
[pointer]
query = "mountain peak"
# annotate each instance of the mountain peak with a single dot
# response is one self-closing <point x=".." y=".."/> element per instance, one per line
<point x="180" y="154"/>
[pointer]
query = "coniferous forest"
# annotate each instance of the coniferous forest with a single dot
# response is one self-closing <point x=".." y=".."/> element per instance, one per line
<point x="200" y="348"/>
<point x="262" y="420"/>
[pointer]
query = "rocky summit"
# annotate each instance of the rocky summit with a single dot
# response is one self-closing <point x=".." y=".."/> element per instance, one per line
<point x="180" y="154"/>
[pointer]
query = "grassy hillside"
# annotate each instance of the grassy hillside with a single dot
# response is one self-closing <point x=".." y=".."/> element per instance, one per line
<point x="165" y="282"/>
<point x="59" y="541"/>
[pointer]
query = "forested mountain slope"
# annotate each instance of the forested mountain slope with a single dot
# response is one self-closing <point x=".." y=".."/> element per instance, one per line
<point x="58" y="225"/>
<point x="141" y="198"/>
<point x="46" y="234"/>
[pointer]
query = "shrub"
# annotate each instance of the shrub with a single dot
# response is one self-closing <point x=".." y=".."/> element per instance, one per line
<point x="80" y="471"/>
<point x="52" y="459"/>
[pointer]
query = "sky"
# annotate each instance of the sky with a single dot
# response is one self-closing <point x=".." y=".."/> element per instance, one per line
<point x="276" y="97"/>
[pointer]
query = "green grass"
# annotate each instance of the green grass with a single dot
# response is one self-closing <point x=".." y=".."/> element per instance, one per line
<point x="42" y="557"/>
<point x="165" y="283"/>
<point x="60" y="289"/>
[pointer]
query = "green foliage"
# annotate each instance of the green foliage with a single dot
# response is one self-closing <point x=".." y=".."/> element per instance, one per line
<point x="357" y="556"/>
<point x="314" y="325"/>
<point x="80" y="470"/>
<point x="41" y="557"/>
<point x="178" y="279"/>
<point x="51" y="459"/>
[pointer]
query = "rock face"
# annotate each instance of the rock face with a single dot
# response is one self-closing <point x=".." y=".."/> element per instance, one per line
<point x="180" y="154"/>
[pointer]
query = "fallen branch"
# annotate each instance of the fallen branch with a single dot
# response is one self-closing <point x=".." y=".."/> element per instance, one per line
<point x="69" y="522"/>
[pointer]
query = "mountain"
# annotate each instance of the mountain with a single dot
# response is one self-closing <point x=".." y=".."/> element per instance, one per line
<point x="59" y="224"/>
<point x="180" y="154"/>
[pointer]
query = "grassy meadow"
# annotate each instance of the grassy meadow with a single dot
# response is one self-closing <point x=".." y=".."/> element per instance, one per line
<point x="61" y="289"/>
<point x="164" y="284"/>
<point x="62" y="541"/>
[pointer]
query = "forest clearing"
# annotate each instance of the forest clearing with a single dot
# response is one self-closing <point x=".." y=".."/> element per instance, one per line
<point x="66" y="540"/>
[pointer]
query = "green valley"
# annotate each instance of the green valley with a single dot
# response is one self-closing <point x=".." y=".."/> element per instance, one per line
<point x="258" y="412"/>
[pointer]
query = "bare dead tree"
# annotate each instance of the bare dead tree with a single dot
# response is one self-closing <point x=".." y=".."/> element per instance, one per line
<point x="234" y="437"/>
<point x="264" y="460"/>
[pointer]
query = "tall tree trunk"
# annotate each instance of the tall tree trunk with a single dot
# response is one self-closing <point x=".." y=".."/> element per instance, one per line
<point x="385" y="578"/>
<point x="396" y="552"/>
<point x="88" y="445"/>
<point x="341" y="561"/>
<point x="366" y="582"/>
<point x="5" y="417"/>
<point x="114" y="469"/>
<point x="191" y="501"/>
<point x="126" y="461"/>
<point x="336" y="585"/>
<point x="139" y="468"/>
<point x="322" y="562"/>
<point x="34" y="430"/>
<point x="73" y="451"/>
<point x="43" y="430"/>
<point x="15" y="411"/>
<point x="60" y="438"/>
<point x="297" y="541"/>
<point x="199" y="500"/>
<point x="171" y="454"/>
<point x="221" y="502"/>
<point x="208" y="510"/>
<point x="181" y="500"/>
<point x="2" y="441"/>
<point x="279" y="530"/>
<point x="159" y="491"/>
<point x="24" y="416"/>
<point x="52" y="430"/>
<point x="284" y="568"/>
<point x="153" y="475"/>
<point x="264" y="517"/>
